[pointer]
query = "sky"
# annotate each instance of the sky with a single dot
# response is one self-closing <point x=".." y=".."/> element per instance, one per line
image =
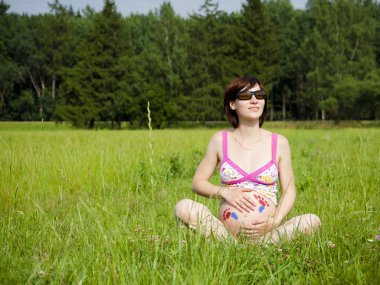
<point x="126" y="7"/>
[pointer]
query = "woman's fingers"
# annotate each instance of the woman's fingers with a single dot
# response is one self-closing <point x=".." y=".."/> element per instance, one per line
<point x="247" y="198"/>
<point x="250" y="230"/>
<point x="248" y="227"/>
<point x="251" y="203"/>
<point x="254" y="231"/>
<point x="256" y="228"/>
<point x="248" y="205"/>
<point x="249" y="234"/>
<point x="238" y="207"/>
<point x="259" y="224"/>
<point x="260" y="221"/>
<point x="243" y="206"/>
<point x="260" y="227"/>
<point x="246" y="232"/>
<point x="246" y="190"/>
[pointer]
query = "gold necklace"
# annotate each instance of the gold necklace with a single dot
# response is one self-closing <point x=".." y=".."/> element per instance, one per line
<point x="246" y="148"/>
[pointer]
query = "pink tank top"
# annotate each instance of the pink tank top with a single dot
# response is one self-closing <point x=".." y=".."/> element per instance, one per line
<point x="263" y="180"/>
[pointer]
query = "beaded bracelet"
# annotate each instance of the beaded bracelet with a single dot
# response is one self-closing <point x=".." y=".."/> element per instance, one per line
<point x="220" y="190"/>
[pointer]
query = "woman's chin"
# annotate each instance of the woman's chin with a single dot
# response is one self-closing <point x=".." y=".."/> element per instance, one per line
<point x="252" y="117"/>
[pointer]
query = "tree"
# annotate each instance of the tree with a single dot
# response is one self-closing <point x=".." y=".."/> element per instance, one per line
<point x="92" y="87"/>
<point x="259" y="45"/>
<point x="88" y="66"/>
<point x="8" y="68"/>
<point x="205" y="81"/>
<point x="340" y="43"/>
<point x="163" y="60"/>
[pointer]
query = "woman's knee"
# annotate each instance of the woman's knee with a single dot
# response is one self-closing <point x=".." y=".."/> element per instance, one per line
<point x="183" y="209"/>
<point x="313" y="221"/>
<point x="187" y="210"/>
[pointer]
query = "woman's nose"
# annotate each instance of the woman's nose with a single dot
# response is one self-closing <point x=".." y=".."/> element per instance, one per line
<point x="253" y="99"/>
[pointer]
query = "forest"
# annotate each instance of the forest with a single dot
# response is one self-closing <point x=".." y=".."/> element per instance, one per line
<point x="85" y="67"/>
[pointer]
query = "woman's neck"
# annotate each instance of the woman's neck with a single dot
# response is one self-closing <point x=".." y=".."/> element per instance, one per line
<point x="248" y="132"/>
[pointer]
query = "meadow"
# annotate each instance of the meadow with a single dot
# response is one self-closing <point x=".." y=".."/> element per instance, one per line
<point x="96" y="207"/>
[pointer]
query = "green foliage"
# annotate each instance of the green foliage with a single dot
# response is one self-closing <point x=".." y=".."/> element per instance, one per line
<point x="93" y="66"/>
<point x="340" y="44"/>
<point x="259" y="51"/>
<point x="92" y="86"/>
<point x="23" y="106"/>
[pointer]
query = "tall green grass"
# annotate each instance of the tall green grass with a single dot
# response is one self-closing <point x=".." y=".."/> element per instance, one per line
<point x="88" y="207"/>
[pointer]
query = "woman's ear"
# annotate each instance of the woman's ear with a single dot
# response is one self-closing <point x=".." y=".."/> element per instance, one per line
<point x="232" y="105"/>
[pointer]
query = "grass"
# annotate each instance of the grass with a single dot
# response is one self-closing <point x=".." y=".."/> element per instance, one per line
<point x="87" y="207"/>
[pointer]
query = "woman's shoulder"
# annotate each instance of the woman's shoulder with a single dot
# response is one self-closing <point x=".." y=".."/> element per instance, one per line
<point x="219" y="134"/>
<point x="217" y="138"/>
<point x="282" y="141"/>
<point x="216" y="143"/>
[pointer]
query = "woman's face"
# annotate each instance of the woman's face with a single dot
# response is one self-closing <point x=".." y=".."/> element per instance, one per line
<point x="249" y="109"/>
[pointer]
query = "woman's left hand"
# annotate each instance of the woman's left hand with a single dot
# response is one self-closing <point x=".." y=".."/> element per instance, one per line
<point x="259" y="227"/>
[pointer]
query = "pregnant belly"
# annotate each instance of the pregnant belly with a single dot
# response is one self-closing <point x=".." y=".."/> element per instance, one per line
<point x="234" y="220"/>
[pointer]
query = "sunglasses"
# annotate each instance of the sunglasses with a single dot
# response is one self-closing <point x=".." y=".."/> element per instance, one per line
<point x="247" y="95"/>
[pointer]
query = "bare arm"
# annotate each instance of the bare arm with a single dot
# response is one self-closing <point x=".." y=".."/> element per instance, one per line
<point x="205" y="170"/>
<point x="288" y="189"/>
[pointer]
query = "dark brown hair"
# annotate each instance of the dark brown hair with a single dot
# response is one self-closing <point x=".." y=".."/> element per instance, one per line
<point x="230" y="95"/>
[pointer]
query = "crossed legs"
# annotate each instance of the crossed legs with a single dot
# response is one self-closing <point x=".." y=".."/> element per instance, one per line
<point x="199" y="218"/>
<point x="305" y="224"/>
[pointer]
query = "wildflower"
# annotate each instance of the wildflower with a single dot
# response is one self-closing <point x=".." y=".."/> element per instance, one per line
<point x="41" y="273"/>
<point x="154" y="238"/>
<point x="330" y="244"/>
<point x="377" y="237"/>
<point x="139" y="229"/>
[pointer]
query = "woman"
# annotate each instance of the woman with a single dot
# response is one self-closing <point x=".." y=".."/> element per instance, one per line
<point x="251" y="160"/>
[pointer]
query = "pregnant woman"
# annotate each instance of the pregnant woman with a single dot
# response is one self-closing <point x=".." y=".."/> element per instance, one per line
<point x="251" y="162"/>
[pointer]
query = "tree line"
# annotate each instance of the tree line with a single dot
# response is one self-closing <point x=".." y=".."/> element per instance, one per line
<point x="86" y="66"/>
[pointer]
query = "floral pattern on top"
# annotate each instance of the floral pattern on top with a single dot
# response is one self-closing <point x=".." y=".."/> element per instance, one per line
<point x="269" y="175"/>
<point x="228" y="173"/>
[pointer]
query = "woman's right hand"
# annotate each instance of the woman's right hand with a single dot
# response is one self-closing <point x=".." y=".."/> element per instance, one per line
<point x="238" y="198"/>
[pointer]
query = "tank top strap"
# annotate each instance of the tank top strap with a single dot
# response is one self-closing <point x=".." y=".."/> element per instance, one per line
<point x="224" y="145"/>
<point x="274" y="147"/>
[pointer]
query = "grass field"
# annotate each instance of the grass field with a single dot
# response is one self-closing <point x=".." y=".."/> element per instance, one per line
<point x="96" y="207"/>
